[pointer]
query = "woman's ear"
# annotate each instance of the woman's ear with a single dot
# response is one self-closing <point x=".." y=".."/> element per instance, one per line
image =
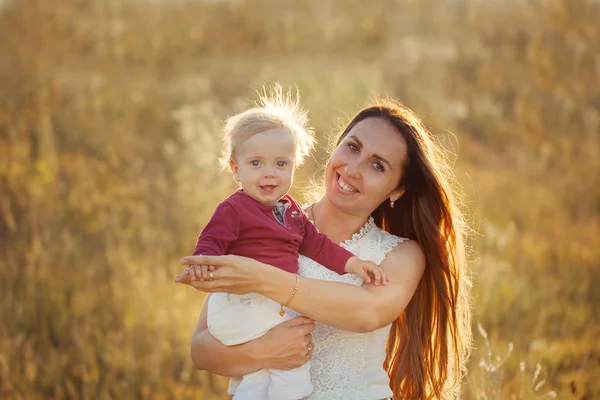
<point x="396" y="194"/>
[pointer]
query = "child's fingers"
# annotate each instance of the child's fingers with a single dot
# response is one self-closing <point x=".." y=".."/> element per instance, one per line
<point x="197" y="272"/>
<point x="364" y="273"/>
<point x="377" y="276"/>
<point x="204" y="272"/>
<point x="384" y="278"/>
<point x="192" y="272"/>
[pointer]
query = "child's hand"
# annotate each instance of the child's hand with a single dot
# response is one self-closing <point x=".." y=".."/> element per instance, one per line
<point x="199" y="272"/>
<point x="366" y="270"/>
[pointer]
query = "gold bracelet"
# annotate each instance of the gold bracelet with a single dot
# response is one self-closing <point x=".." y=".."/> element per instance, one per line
<point x="282" y="312"/>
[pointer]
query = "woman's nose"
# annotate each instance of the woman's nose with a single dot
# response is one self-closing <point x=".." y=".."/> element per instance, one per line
<point x="353" y="170"/>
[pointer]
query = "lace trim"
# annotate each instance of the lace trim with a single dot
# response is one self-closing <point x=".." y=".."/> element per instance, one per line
<point x="389" y="245"/>
<point x="338" y="394"/>
<point x="366" y="228"/>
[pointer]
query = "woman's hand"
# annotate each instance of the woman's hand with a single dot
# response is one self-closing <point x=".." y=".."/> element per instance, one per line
<point x="232" y="274"/>
<point x="288" y="345"/>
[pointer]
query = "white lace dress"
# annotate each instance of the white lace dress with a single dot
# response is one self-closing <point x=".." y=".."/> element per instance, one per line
<point x="347" y="365"/>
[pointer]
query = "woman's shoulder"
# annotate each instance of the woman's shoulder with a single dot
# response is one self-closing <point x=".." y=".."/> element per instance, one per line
<point x="397" y="246"/>
<point x="407" y="253"/>
<point x="408" y="246"/>
<point x="372" y="243"/>
<point x="386" y="239"/>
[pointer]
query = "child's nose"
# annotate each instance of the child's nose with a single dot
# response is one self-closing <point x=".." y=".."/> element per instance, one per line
<point x="269" y="172"/>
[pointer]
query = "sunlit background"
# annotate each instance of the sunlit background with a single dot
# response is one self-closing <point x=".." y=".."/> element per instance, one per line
<point x="110" y="126"/>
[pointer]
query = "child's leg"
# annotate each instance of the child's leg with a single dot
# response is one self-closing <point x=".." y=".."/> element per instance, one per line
<point x="290" y="385"/>
<point x="253" y="386"/>
<point x="233" y="385"/>
<point x="234" y="319"/>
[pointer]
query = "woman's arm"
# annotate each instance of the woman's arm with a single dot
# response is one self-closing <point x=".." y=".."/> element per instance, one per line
<point x="348" y="307"/>
<point x="355" y="308"/>
<point x="283" y="347"/>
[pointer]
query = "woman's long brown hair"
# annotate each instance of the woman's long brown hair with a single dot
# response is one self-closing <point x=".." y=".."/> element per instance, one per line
<point x="430" y="341"/>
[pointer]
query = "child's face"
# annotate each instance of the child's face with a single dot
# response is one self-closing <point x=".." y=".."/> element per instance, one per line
<point x="264" y="165"/>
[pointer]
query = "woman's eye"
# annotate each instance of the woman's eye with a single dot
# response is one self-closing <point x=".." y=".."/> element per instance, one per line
<point x="378" y="166"/>
<point x="281" y="163"/>
<point x="255" y="163"/>
<point x="353" y="147"/>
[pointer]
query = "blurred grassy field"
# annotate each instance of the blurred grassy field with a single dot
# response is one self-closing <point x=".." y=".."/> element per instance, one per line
<point x="110" y="124"/>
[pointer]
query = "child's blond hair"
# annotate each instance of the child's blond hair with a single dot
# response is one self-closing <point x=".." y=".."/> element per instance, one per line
<point x="275" y="109"/>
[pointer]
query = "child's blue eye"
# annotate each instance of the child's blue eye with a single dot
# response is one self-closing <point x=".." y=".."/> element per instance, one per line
<point x="255" y="163"/>
<point x="281" y="163"/>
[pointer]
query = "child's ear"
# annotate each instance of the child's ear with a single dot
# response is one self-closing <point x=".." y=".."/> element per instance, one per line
<point x="234" y="169"/>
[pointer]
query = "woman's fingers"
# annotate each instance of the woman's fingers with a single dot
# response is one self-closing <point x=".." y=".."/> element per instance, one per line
<point x="301" y="320"/>
<point x="304" y="327"/>
<point x="308" y="338"/>
<point x="184" y="277"/>
<point x="204" y="286"/>
<point x="290" y="343"/>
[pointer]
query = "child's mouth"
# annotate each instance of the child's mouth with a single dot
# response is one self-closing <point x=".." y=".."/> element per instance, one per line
<point x="267" y="188"/>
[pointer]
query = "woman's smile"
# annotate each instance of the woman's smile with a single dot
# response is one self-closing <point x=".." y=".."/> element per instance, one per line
<point x="344" y="186"/>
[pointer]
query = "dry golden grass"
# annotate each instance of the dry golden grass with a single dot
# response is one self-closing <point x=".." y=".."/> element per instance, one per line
<point x="110" y="119"/>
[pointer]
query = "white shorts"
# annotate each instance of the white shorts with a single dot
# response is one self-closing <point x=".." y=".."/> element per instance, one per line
<point x="236" y="319"/>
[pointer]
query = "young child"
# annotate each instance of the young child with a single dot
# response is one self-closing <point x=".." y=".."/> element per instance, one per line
<point x="263" y="146"/>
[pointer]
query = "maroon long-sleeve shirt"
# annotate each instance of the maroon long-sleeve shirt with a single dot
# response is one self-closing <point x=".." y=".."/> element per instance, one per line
<point x="243" y="226"/>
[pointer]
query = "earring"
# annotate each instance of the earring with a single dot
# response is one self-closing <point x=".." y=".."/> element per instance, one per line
<point x="391" y="203"/>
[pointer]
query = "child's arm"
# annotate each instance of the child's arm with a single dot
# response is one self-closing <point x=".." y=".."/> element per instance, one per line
<point x="222" y="229"/>
<point x="317" y="246"/>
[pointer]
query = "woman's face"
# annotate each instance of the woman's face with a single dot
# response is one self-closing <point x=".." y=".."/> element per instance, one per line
<point x="365" y="168"/>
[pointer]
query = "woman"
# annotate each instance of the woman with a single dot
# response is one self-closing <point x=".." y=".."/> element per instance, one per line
<point x="386" y="180"/>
